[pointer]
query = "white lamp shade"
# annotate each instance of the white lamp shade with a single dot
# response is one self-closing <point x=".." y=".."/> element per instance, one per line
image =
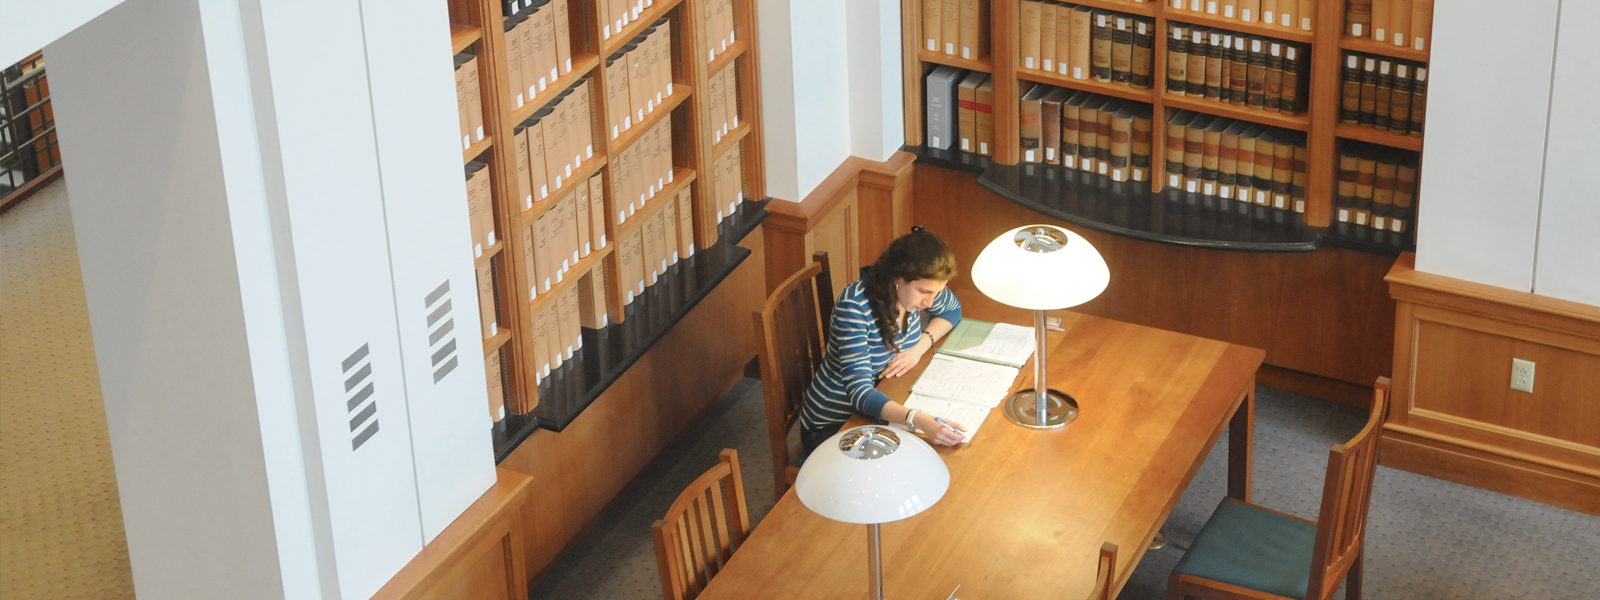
<point x="1070" y="275"/>
<point x="889" y="486"/>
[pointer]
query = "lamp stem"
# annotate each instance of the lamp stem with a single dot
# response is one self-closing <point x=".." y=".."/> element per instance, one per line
<point x="874" y="564"/>
<point x="1041" y="390"/>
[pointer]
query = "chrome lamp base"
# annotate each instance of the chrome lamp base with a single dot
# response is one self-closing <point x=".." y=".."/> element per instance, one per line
<point x="1022" y="408"/>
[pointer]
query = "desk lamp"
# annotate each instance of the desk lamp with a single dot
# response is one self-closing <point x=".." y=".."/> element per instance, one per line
<point x="1040" y="268"/>
<point x="872" y="475"/>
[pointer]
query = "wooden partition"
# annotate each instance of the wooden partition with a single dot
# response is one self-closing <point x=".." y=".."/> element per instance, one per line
<point x="478" y="557"/>
<point x="852" y="215"/>
<point x="1455" y="416"/>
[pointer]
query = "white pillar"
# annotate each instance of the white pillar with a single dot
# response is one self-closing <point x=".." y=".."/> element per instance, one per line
<point x="265" y="194"/>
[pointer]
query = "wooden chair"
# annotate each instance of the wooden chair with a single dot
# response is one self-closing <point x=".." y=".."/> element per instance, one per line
<point x="1105" y="581"/>
<point x="1246" y="551"/>
<point x="702" y="529"/>
<point x="793" y="326"/>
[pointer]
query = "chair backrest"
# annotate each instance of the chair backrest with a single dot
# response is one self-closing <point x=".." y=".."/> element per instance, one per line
<point x="1341" y="526"/>
<point x="1105" y="581"/>
<point x="793" y="326"/>
<point x="701" y="530"/>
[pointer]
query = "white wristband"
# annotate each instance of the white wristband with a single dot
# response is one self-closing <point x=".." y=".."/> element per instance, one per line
<point x="911" y="417"/>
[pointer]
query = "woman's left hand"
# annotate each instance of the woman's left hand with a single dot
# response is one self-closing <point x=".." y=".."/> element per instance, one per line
<point x="908" y="358"/>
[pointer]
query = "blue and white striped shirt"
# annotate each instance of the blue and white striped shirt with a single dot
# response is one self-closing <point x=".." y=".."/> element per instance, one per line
<point x="856" y="356"/>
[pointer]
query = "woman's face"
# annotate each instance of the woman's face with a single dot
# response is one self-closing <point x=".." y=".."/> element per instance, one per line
<point x="918" y="294"/>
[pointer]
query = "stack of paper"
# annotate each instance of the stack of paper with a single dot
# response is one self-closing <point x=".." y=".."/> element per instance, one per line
<point x="972" y="372"/>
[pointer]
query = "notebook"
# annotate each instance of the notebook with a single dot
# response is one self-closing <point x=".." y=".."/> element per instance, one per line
<point x="972" y="372"/>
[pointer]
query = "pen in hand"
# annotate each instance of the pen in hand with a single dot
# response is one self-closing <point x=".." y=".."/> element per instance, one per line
<point x="947" y="425"/>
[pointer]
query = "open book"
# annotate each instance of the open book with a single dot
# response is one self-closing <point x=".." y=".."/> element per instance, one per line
<point x="972" y="372"/>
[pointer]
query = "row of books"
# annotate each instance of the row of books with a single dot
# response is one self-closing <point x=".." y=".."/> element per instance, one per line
<point x="641" y="171"/>
<point x="552" y="143"/>
<point x="468" y="107"/>
<point x="665" y="237"/>
<point x="558" y="327"/>
<point x="956" y="27"/>
<point x="480" y="206"/>
<point x="1081" y="42"/>
<point x="720" y="29"/>
<point x="723" y="96"/>
<point x="1382" y="93"/>
<point x="1223" y="66"/>
<point x="573" y="228"/>
<point x="538" y="49"/>
<point x="1404" y="23"/>
<point x="1086" y="131"/>
<point x="494" y="369"/>
<point x="1377" y="187"/>
<point x="639" y="77"/>
<point x="727" y="190"/>
<point x="967" y="113"/>
<point x="1294" y="14"/>
<point x="1235" y="159"/>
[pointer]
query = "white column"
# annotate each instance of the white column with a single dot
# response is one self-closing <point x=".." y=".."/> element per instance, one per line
<point x="1568" y="261"/>
<point x="877" y="111"/>
<point x="266" y="194"/>
<point x="26" y="26"/>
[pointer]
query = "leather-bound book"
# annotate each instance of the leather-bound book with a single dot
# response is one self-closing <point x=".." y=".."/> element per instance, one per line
<point x="1177" y="59"/>
<point x="1366" y="175"/>
<point x="1405" y="193"/>
<point x="985" y="117"/>
<point x="1266" y="147"/>
<point x="966" y="110"/>
<point x="1344" y="199"/>
<point x="1122" y="144"/>
<point x="1283" y="168"/>
<point x="1194" y="151"/>
<point x="932" y="23"/>
<point x="1358" y="18"/>
<point x="1214" y="60"/>
<point x="974" y="29"/>
<point x="1028" y="118"/>
<point x="1028" y="34"/>
<point x="1256" y="75"/>
<point x="1063" y="38"/>
<point x="1306" y="10"/>
<point x="1380" y="100"/>
<point x="1141" y="61"/>
<point x="1100" y="40"/>
<point x="1350" y="96"/>
<point x="1122" y="50"/>
<point x="1400" y="101"/>
<point x="1047" y="36"/>
<point x="1383" y="182"/>
<point x="1103" y="135"/>
<point x="1071" y="127"/>
<point x="1421" y="24"/>
<point x="1369" y="90"/>
<point x="1228" y="159"/>
<point x="1198" y="51"/>
<point x="1050" y="124"/>
<point x="1089" y="133"/>
<point x="1273" y="81"/>
<point x="1238" y="70"/>
<point x="1245" y="183"/>
<point x="1289" y="104"/>
<point x="1211" y="155"/>
<point x="1177" y="128"/>
<point x="1380" y="20"/>
<point x="1082" y="44"/>
<point x="1419" y="100"/>
<point x="1139" y="148"/>
<point x="1297" y="187"/>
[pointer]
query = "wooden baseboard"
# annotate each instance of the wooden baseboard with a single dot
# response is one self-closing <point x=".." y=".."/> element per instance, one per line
<point x="1316" y="386"/>
<point x="28" y="189"/>
<point x="1487" y="471"/>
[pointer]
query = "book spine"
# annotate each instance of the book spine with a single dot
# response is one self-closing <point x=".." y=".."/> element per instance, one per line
<point x="1405" y="193"/>
<point x="1030" y="133"/>
<point x="1380" y="20"/>
<point x="1383" y="192"/>
<point x="1198" y="50"/>
<point x="488" y="312"/>
<point x="1366" y="169"/>
<point x="1238" y="71"/>
<point x="1141" y="61"/>
<point x="1194" y="150"/>
<point x="1345" y="196"/>
<point x="1063" y="38"/>
<point x="1101" y="41"/>
<point x="1047" y="37"/>
<point x="1419" y="100"/>
<point x="1070" y="128"/>
<point x="1082" y="46"/>
<point x="984" y="131"/>
<point x="1290" y="102"/>
<point x="1306" y="10"/>
<point x="1177" y="60"/>
<point x="1213" y="81"/>
<point x="1246" y="168"/>
<point x="1273" y="82"/>
<point x="1256" y="76"/>
<point x="1421" y="24"/>
<point x="1121" y="147"/>
<point x="967" y="116"/>
<point x="1122" y="51"/>
<point x="1139" y="149"/>
<point x="1265" y="160"/>
<point x="1028" y="28"/>
<point x="1282" y="173"/>
<point x="970" y="49"/>
<point x="1369" y="90"/>
<point x="950" y="30"/>
<point x="1174" y="155"/>
<point x="1400" y="101"/>
<point x="1050" y="131"/>
<point x="1103" y="140"/>
<point x="1250" y="10"/>
<point x="1358" y="18"/>
<point x="1210" y="159"/>
<point x="932" y="22"/>
<point x="1350" y="95"/>
<point x="1400" y="23"/>
<point x="1381" y="107"/>
<point x="1302" y="176"/>
<point x="1088" y="138"/>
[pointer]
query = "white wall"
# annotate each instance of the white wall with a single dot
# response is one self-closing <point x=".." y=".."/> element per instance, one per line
<point x="26" y="26"/>
<point x="1510" y="164"/>
<point x="830" y="87"/>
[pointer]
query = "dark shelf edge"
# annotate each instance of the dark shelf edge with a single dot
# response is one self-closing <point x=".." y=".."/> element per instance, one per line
<point x="510" y="432"/>
<point x="1317" y="237"/>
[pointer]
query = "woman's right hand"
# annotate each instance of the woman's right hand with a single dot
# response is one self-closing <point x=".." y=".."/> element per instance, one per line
<point x="937" y="433"/>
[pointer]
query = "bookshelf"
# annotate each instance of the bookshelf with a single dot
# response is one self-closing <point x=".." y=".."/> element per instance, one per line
<point x="1326" y="39"/>
<point x="489" y="30"/>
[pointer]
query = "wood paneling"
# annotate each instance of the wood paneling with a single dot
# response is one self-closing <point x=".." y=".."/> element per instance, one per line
<point x="1455" y="416"/>
<point x="478" y="557"/>
<point x="582" y="468"/>
<point x="1324" y="313"/>
<point x="853" y="215"/>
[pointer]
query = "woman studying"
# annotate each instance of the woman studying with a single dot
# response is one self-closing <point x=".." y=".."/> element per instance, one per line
<point x="878" y="331"/>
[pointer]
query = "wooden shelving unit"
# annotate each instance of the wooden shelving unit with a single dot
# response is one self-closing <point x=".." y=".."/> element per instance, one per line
<point x="478" y="27"/>
<point x="1326" y="41"/>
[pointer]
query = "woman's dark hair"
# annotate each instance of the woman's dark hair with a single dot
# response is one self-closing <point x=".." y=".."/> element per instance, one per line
<point x="917" y="255"/>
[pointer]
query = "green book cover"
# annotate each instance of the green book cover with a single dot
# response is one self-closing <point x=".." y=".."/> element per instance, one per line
<point x="978" y="340"/>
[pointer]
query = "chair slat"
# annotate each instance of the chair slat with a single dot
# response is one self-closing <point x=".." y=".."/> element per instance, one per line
<point x="793" y="324"/>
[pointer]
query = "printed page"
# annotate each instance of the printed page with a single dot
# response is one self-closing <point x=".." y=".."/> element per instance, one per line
<point x="1001" y="343"/>
<point x="969" y="381"/>
<point x="969" y="416"/>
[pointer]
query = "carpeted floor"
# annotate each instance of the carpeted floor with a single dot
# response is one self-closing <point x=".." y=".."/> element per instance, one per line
<point x="1428" y="539"/>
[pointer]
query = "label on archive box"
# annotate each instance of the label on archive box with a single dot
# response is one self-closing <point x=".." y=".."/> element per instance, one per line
<point x="1211" y="7"/>
<point x="1244" y="15"/>
<point x="983" y="148"/>
<point x="1049" y="65"/>
<point x="1344" y="215"/>
<point x="949" y="47"/>
<point x="1227" y="12"/>
<point x="1069" y="161"/>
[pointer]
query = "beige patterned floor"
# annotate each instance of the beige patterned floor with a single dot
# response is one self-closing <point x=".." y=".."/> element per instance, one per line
<point x="61" y="531"/>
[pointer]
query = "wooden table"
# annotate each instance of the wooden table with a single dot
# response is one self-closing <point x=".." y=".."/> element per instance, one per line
<point x="1028" y="510"/>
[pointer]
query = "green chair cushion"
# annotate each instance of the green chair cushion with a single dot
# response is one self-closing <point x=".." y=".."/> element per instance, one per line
<point x="1253" y="548"/>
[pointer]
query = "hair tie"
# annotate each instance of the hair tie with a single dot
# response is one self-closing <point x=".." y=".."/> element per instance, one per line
<point x="917" y="229"/>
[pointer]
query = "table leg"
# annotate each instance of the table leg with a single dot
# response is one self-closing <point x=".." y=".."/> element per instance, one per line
<point x="1241" y="436"/>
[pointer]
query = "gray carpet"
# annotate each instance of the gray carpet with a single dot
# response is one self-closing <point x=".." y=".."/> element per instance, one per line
<point x="1426" y="538"/>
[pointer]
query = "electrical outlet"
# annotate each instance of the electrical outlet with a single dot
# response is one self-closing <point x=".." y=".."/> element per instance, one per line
<point x="1522" y="375"/>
